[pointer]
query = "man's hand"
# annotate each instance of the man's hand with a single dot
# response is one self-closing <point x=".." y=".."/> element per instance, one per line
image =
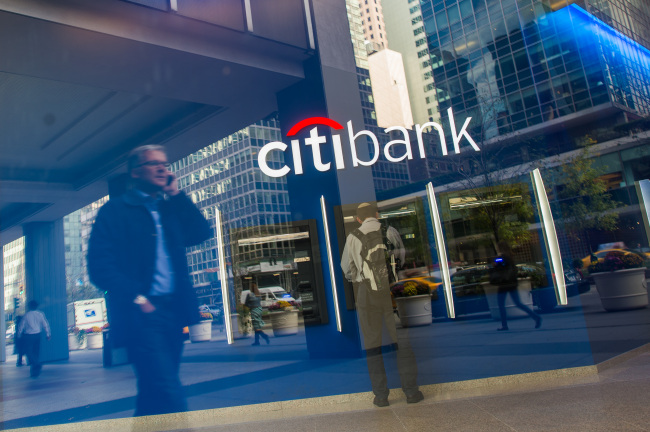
<point x="172" y="186"/>
<point x="147" y="307"/>
<point x="144" y="303"/>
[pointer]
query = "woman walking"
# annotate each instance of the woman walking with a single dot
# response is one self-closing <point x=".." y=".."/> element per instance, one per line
<point x="254" y="303"/>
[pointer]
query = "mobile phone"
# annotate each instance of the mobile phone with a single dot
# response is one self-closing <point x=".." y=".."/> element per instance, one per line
<point x="170" y="179"/>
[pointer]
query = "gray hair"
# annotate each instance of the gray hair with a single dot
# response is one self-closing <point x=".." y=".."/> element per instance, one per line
<point x="136" y="155"/>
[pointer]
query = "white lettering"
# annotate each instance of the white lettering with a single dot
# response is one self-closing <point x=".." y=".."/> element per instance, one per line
<point x="262" y="159"/>
<point x="458" y="137"/>
<point x="353" y="147"/>
<point x="407" y="154"/>
<point x="418" y="131"/>
<point x="297" y="158"/>
<point x="338" y="152"/>
<point x="315" y="141"/>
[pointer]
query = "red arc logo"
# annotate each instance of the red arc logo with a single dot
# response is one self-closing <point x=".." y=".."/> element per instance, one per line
<point x="313" y="121"/>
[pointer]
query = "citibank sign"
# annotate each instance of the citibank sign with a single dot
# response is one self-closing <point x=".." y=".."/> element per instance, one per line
<point x="315" y="140"/>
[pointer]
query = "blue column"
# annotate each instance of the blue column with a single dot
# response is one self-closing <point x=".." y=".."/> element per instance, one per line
<point x="331" y="90"/>
<point x="45" y="282"/>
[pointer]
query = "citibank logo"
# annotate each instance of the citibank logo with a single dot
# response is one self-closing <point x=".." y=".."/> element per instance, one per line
<point x="315" y="140"/>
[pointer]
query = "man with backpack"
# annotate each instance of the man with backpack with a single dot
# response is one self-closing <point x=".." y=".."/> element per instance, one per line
<point x="369" y="262"/>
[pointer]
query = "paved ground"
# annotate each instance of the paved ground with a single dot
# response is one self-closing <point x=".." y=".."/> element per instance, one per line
<point x="616" y="401"/>
<point x="216" y="375"/>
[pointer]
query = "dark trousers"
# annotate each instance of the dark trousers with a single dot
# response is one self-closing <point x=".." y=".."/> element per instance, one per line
<point x="375" y="314"/>
<point x="514" y="293"/>
<point x="155" y="351"/>
<point x="32" y="347"/>
<point x="19" y="349"/>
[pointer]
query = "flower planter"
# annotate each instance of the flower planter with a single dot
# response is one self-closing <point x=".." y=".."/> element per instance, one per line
<point x="95" y="340"/>
<point x="241" y="330"/>
<point x="73" y="343"/>
<point x="284" y="323"/>
<point x="414" y="310"/>
<point x="524" y="287"/>
<point x="201" y="332"/>
<point x="622" y="289"/>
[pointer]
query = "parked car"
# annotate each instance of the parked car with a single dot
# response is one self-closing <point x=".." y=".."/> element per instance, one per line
<point x="270" y="295"/>
<point x="214" y="310"/>
<point x="430" y="282"/>
<point x="469" y="293"/>
<point x="601" y="254"/>
<point x="10" y="334"/>
<point x="575" y="283"/>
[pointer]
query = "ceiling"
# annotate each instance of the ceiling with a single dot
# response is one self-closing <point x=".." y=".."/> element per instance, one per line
<point x="82" y="83"/>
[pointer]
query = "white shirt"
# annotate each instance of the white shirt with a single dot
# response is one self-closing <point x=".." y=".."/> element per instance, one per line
<point x="33" y="323"/>
<point x="351" y="260"/>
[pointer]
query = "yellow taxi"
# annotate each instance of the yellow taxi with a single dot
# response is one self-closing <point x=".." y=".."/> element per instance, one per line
<point x="601" y="254"/>
<point x="428" y="281"/>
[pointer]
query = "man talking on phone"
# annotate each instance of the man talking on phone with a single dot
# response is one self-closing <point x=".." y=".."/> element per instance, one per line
<point x="136" y="254"/>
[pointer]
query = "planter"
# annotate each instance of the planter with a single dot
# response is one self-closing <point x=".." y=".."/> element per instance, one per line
<point x="201" y="332"/>
<point x="414" y="310"/>
<point x="243" y="329"/>
<point x="284" y="323"/>
<point x="95" y="340"/>
<point x="622" y="289"/>
<point x="73" y="343"/>
<point x="512" y="311"/>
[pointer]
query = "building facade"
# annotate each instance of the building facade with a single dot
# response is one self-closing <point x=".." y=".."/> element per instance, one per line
<point x="529" y="141"/>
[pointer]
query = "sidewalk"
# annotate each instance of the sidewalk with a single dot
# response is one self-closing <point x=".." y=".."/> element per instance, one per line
<point x="456" y="360"/>
<point x="614" y="399"/>
<point x="617" y="400"/>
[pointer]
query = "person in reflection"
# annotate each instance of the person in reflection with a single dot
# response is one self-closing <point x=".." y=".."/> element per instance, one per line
<point x="29" y="330"/>
<point x="18" y="343"/>
<point x="254" y="303"/>
<point x="137" y="255"/>
<point x="364" y="264"/>
<point x="504" y="275"/>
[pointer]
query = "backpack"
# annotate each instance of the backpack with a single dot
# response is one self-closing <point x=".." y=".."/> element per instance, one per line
<point x="376" y="252"/>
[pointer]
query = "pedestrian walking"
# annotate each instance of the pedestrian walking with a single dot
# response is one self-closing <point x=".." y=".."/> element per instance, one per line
<point x="503" y="274"/>
<point x="31" y="326"/>
<point x="137" y="254"/>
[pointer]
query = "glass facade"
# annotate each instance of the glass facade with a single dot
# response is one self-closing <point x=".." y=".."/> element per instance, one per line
<point x="521" y="184"/>
<point x="14" y="277"/>
<point x="222" y="175"/>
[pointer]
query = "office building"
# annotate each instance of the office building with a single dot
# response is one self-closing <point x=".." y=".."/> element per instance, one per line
<point x="374" y="28"/>
<point x="554" y="89"/>
<point x="223" y="176"/>
<point x="14" y="278"/>
<point x="386" y="175"/>
<point x="535" y="77"/>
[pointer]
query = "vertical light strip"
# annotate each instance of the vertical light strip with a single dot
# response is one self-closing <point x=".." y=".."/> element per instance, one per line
<point x="223" y="275"/>
<point x="442" y="251"/>
<point x="331" y="264"/>
<point x="173" y="5"/>
<point x="310" y="28"/>
<point x="643" y="193"/>
<point x="550" y="237"/>
<point x="249" y="15"/>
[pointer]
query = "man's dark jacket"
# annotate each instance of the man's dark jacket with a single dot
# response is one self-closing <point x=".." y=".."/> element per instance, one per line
<point x="122" y="253"/>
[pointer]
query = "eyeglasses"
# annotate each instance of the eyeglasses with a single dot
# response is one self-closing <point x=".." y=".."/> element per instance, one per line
<point x="154" y="164"/>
